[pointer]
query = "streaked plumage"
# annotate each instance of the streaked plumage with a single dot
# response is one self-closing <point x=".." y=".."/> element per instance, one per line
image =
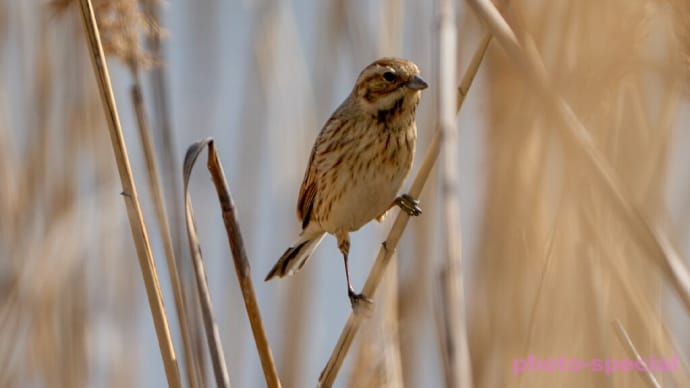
<point x="359" y="162"/>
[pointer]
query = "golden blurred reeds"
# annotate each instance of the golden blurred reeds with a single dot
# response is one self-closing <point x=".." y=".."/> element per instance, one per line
<point x="561" y="269"/>
<point x="567" y="264"/>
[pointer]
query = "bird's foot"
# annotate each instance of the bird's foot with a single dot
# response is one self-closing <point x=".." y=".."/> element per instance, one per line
<point x="409" y="205"/>
<point x="360" y="303"/>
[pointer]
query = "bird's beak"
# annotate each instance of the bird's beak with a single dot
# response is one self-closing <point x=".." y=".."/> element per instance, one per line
<point x="417" y="83"/>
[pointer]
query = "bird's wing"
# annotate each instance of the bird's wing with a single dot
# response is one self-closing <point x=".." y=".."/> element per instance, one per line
<point x="307" y="192"/>
<point x="305" y="203"/>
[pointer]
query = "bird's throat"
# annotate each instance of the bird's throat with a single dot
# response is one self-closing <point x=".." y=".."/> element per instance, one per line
<point x="390" y="115"/>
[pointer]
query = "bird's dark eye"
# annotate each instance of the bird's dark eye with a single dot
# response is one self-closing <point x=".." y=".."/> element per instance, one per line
<point x="389" y="76"/>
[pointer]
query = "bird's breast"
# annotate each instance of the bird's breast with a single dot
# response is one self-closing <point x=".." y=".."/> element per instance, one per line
<point x="367" y="187"/>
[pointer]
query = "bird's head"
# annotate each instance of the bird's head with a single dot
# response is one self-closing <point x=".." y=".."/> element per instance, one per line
<point x="389" y="84"/>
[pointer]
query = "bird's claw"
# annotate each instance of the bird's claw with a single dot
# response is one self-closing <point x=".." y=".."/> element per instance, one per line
<point x="409" y="205"/>
<point x="359" y="302"/>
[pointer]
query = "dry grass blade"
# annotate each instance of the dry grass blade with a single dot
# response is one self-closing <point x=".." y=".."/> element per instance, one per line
<point x="330" y="371"/>
<point x="139" y="232"/>
<point x="623" y="336"/>
<point x="238" y="252"/>
<point x="212" y="335"/>
<point x="647" y="234"/>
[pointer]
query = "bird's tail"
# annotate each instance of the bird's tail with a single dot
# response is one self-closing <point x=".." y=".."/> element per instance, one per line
<point x="295" y="257"/>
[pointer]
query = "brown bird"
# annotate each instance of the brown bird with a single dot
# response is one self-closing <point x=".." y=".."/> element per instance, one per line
<point x="358" y="163"/>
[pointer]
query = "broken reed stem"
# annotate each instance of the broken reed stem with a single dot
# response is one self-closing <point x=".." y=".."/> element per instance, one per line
<point x="239" y="254"/>
<point x="242" y="268"/>
<point x="215" y="345"/>
<point x="623" y="336"/>
<point x="330" y="371"/>
<point x="455" y="349"/>
<point x="162" y="218"/>
<point x="129" y="193"/>
<point x="650" y="237"/>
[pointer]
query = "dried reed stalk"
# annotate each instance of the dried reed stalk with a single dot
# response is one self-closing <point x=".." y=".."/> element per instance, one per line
<point x="162" y="217"/>
<point x="161" y="114"/>
<point x="239" y="254"/>
<point x="330" y="371"/>
<point x="455" y="350"/>
<point x="137" y="225"/>
<point x="160" y="207"/>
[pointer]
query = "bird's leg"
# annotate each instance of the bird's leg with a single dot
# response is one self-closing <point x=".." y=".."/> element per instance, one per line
<point x="344" y="246"/>
<point x="408" y="204"/>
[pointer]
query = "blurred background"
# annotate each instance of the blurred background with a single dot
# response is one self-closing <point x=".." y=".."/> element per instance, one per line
<point x="547" y="262"/>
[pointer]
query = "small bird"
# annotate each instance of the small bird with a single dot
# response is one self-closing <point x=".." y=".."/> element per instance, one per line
<point x="358" y="163"/>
